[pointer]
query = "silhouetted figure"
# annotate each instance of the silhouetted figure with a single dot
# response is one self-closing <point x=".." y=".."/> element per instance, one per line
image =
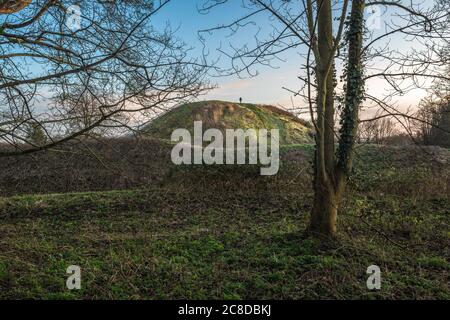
<point x="240" y="100"/>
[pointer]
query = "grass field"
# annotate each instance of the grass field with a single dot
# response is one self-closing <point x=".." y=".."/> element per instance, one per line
<point x="227" y="233"/>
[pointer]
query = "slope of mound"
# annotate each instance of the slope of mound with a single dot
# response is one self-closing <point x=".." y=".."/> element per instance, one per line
<point x="227" y="115"/>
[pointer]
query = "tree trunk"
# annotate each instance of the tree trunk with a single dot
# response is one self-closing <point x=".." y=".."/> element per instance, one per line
<point x="324" y="211"/>
<point x="12" y="6"/>
<point x="331" y="171"/>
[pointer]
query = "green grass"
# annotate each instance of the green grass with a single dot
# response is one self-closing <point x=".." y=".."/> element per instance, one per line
<point x="227" y="233"/>
<point x="227" y="115"/>
<point x="156" y="244"/>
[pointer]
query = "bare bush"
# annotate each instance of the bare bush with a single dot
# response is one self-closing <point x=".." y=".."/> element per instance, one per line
<point x="378" y="131"/>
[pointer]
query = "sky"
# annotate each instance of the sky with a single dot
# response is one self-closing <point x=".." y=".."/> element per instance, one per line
<point x="267" y="87"/>
<point x="184" y="16"/>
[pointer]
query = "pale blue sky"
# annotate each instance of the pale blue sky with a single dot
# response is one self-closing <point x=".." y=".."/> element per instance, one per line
<point x="184" y="17"/>
<point x="267" y="86"/>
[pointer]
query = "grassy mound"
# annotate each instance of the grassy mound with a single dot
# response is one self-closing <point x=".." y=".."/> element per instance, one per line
<point x="227" y="115"/>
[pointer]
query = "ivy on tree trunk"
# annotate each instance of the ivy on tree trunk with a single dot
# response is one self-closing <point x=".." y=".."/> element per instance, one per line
<point x="332" y="168"/>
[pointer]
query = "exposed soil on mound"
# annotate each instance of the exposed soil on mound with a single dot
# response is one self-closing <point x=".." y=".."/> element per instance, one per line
<point x="227" y="115"/>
